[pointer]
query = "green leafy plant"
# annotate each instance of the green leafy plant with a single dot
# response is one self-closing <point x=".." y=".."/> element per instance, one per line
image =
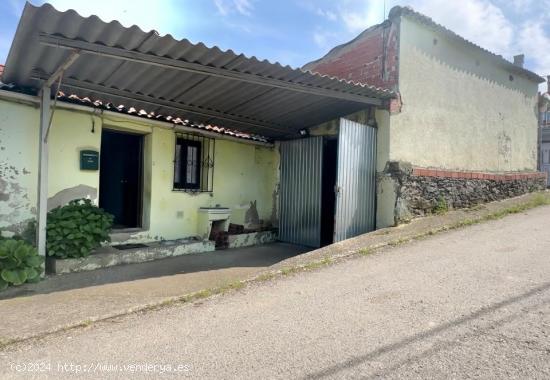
<point x="74" y="230"/>
<point x="19" y="263"/>
<point x="441" y="207"/>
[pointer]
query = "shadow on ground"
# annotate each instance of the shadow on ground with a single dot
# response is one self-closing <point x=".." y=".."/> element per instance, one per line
<point x="335" y="370"/>
<point x="259" y="256"/>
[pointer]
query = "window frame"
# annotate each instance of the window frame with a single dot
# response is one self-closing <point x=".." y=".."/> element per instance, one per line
<point x="204" y="169"/>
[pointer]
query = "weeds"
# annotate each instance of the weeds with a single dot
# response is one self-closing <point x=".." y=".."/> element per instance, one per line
<point x="366" y="251"/>
<point x="441" y="207"/>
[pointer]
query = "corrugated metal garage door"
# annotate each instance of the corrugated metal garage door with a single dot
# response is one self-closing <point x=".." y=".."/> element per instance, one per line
<point x="300" y="191"/>
<point x="356" y="181"/>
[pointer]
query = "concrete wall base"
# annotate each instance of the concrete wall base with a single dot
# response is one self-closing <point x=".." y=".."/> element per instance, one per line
<point x="108" y="256"/>
<point x="251" y="239"/>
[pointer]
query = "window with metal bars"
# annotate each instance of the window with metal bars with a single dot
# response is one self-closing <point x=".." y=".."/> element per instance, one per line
<point x="193" y="163"/>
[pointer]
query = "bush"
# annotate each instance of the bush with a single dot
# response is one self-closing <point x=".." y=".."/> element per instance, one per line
<point x="76" y="229"/>
<point x="19" y="263"/>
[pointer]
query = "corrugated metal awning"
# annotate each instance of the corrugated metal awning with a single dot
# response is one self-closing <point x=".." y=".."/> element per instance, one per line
<point x="165" y="76"/>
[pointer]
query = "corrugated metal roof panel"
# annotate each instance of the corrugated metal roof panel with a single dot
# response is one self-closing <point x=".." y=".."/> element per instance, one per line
<point x="250" y="106"/>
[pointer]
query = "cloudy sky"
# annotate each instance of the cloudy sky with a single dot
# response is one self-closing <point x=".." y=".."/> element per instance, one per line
<point x="296" y="32"/>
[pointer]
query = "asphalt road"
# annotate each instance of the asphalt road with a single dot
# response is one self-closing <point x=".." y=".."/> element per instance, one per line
<point x="472" y="303"/>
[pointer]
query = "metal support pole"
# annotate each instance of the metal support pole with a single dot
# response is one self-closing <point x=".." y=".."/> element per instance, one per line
<point x="45" y="111"/>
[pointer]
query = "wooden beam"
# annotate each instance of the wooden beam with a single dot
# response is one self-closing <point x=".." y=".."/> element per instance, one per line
<point x="42" y="205"/>
<point x="133" y="97"/>
<point x="61" y="69"/>
<point x="169" y="63"/>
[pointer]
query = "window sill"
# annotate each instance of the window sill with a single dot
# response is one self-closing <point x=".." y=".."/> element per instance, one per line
<point x="192" y="191"/>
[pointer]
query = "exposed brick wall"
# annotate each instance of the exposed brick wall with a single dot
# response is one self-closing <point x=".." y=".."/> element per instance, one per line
<point x="371" y="59"/>
<point x="423" y="172"/>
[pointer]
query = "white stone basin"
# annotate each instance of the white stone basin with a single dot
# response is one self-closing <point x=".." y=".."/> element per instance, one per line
<point x="209" y="215"/>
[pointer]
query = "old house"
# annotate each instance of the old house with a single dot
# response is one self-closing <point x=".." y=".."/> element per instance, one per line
<point x="463" y="128"/>
<point x="176" y="139"/>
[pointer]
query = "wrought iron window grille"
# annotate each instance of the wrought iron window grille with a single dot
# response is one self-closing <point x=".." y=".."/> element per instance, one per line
<point x="193" y="163"/>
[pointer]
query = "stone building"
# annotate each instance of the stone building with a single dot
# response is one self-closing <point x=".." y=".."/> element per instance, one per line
<point x="463" y="127"/>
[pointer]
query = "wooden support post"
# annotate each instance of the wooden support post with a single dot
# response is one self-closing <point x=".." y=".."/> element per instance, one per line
<point x="42" y="209"/>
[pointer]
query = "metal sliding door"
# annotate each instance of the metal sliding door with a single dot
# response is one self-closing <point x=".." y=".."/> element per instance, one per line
<point x="300" y="191"/>
<point x="356" y="180"/>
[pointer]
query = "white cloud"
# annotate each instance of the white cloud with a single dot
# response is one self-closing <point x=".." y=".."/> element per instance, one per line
<point x="485" y="23"/>
<point x="476" y="20"/>
<point x="16" y="7"/>
<point x="505" y="27"/>
<point x="534" y="41"/>
<point x="324" y="39"/>
<point x="327" y="13"/>
<point x="243" y="7"/>
<point x="160" y="15"/>
<point x="359" y="15"/>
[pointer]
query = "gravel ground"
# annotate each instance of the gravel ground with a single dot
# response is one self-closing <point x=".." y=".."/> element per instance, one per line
<point x="471" y="303"/>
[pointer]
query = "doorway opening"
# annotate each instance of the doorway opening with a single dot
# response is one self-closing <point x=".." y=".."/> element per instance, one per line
<point x="328" y="193"/>
<point x="120" y="177"/>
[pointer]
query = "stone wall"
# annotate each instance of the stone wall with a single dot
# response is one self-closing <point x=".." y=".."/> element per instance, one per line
<point x="422" y="191"/>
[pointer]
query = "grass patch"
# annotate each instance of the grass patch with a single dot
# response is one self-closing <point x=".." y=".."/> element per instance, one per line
<point x="441" y="207"/>
<point x="318" y="264"/>
<point x="366" y="251"/>
<point x="307" y="267"/>
<point x="266" y="277"/>
<point x="6" y="342"/>
<point x="536" y="201"/>
<point x="403" y="240"/>
<point x="235" y="285"/>
<point x="86" y="323"/>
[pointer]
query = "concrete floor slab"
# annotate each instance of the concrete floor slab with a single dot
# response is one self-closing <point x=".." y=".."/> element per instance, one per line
<point x="58" y="301"/>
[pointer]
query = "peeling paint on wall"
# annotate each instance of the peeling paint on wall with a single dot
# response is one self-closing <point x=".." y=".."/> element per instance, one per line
<point x="63" y="197"/>
<point x="15" y="207"/>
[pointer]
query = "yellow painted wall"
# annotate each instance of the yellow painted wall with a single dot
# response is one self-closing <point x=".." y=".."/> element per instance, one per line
<point x="460" y="111"/>
<point x="243" y="173"/>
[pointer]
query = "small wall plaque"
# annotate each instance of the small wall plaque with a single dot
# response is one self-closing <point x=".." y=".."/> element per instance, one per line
<point x="89" y="160"/>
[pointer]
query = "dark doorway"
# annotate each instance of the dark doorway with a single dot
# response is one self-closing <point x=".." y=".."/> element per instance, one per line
<point x="120" y="183"/>
<point x="328" y="195"/>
